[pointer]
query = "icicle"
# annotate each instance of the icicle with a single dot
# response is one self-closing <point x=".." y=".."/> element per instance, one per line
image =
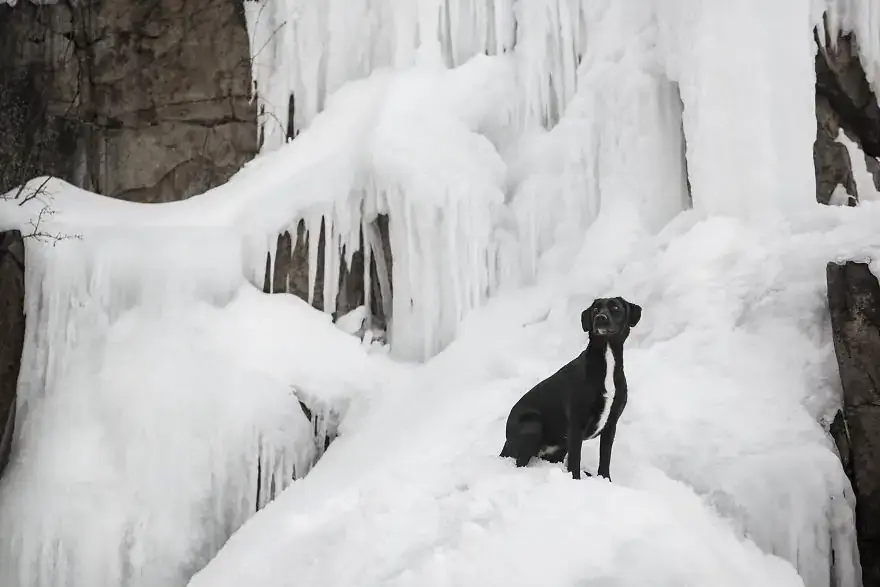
<point x="292" y="230"/>
<point x="367" y="275"/>
<point x="382" y="272"/>
<point x="329" y="258"/>
<point x="409" y="270"/>
<point x="428" y="304"/>
<point x="452" y="235"/>
<point x="336" y="256"/>
<point x="352" y="240"/>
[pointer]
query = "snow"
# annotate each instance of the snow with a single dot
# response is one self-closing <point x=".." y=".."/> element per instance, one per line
<point x="162" y="393"/>
<point x="730" y="372"/>
<point x="112" y="436"/>
<point x="530" y="157"/>
<point x="839" y="197"/>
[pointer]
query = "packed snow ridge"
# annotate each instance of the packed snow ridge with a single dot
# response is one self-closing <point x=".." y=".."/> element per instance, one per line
<point x="530" y="156"/>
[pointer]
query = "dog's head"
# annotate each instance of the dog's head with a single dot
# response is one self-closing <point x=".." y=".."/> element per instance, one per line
<point x="610" y="318"/>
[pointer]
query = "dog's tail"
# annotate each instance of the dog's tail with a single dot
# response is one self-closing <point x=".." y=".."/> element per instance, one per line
<point x="525" y="442"/>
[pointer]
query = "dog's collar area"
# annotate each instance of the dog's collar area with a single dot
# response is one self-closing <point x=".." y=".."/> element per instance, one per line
<point x="613" y="339"/>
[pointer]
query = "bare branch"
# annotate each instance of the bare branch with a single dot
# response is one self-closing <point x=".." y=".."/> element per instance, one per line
<point x="33" y="195"/>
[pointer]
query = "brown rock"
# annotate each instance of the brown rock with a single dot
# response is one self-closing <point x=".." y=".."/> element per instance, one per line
<point x="843" y="100"/>
<point x="831" y="158"/>
<point x="841" y="79"/>
<point x="854" y="303"/>
<point x="11" y="333"/>
<point x="151" y="97"/>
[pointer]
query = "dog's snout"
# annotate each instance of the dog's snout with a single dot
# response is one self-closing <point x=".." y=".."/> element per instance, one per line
<point x="602" y="319"/>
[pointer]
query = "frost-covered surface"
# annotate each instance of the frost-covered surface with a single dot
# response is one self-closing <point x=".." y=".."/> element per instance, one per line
<point x="143" y="458"/>
<point x="310" y="49"/>
<point x="406" y="144"/>
<point x="156" y="407"/>
<point x="730" y="371"/>
<point x="594" y="101"/>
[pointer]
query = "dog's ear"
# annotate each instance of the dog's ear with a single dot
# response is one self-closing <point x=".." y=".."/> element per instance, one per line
<point x="635" y="313"/>
<point x="587" y="319"/>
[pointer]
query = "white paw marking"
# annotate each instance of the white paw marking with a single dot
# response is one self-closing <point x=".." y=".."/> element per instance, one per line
<point x="547" y="451"/>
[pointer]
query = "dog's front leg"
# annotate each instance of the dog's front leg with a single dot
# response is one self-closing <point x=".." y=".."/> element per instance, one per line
<point x="575" y="442"/>
<point x="606" y="440"/>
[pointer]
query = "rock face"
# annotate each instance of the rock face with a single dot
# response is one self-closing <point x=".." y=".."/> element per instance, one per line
<point x="844" y="100"/>
<point x="854" y="302"/>
<point x="830" y="157"/>
<point x="141" y="100"/>
<point x="11" y="333"/>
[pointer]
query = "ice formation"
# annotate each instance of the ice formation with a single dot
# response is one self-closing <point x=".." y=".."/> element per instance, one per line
<point x="127" y="431"/>
<point x="155" y="413"/>
<point x="615" y="105"/>
<point x="418" y="146"/>
<point x="582" y="99"/>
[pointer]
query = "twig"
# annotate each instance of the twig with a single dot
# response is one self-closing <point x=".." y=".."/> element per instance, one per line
<point x="31" y="196"/>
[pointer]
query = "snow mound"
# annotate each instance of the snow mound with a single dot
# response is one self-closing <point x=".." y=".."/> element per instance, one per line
<point x="485" y="523"/>
<point x="722" y="472"/>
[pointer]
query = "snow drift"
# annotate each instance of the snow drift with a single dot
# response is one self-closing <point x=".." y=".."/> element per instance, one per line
<point x="730" y="375"/>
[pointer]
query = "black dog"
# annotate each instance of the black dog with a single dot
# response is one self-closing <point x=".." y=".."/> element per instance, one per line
<point x="585" y="398"/>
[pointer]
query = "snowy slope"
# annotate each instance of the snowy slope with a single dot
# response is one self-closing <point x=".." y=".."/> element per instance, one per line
<point x="730" y="370"/>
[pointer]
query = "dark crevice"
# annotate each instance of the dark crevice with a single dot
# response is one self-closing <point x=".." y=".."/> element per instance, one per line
<point x="12" y="332"/>
<point x="292" y="131"/>
<point x="841" y="80"/>
<point x="289" y="272"/>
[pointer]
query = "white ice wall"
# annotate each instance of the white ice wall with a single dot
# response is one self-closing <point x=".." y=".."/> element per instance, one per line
<point x="139" y="444"/>
<point x="620" y="88"/>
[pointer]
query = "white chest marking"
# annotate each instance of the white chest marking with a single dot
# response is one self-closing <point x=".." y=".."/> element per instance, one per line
<point x="609" y="392"/>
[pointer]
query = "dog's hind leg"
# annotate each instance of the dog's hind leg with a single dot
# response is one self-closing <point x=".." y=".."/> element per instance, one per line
<point x="506" y="450"/>
<point x="528" y="441"/>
